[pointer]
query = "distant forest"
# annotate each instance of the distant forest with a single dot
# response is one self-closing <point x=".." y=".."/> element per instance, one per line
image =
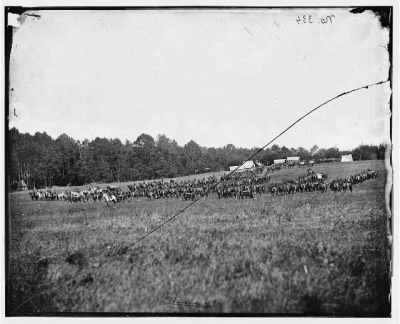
<point x="42" y="161"/>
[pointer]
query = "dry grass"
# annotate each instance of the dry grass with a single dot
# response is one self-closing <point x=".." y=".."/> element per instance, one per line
<point x="311" y="253"/>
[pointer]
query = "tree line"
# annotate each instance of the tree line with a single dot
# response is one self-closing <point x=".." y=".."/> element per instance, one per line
<point x="42" y="161"/>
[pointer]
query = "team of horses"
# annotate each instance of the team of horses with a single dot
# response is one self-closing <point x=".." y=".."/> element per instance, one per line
<point x="319" y="182"/>
<point x="96" y="194"/>
<point x="241" y="185"/>
<point x="237" y="185"/>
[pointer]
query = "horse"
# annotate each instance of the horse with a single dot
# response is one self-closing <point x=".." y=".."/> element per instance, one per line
<point x="109" y="197"/>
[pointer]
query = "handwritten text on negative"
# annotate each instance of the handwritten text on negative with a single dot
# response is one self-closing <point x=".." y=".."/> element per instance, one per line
<point x="309" y="19"/>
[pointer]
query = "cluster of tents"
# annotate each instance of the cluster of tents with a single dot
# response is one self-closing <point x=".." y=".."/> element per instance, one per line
<point x="289" y="161"/>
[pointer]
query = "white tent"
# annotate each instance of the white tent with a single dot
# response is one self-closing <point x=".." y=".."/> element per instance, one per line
<point x="247" y="165"/>
<point x="279" y="161"/>
<point x="293" y="158"/>
<point x="347" y="158"/>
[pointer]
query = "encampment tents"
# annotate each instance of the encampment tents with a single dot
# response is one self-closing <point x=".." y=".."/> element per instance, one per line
<point x="247" y="165"/>
<point x="347" y="158"/>
<point x="279" y="161"/>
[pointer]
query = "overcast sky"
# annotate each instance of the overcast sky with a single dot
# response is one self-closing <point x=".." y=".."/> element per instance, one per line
<point x="212" y="76"/>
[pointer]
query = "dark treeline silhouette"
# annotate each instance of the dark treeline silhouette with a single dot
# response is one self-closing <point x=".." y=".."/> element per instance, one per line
<point x="41" y="161"/>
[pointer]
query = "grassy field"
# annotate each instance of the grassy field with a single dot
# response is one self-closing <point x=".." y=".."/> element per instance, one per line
<point x="310" y="253"/>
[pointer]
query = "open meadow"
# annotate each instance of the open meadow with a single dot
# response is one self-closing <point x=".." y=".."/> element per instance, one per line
<point x="308" y="253"/>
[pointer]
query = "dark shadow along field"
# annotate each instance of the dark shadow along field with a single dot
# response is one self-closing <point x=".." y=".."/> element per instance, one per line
<point x="310" y="253"/>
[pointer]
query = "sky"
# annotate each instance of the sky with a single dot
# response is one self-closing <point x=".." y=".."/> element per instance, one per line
<point x="217" y="77"/>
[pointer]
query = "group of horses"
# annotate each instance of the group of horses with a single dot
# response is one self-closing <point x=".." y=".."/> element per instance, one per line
<point x="237" y="185"/>
<point x="226" y="186"/>
<point x="96" y="194"/>
<point x="241" y="185"/>
<point x="312" y="182"/>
